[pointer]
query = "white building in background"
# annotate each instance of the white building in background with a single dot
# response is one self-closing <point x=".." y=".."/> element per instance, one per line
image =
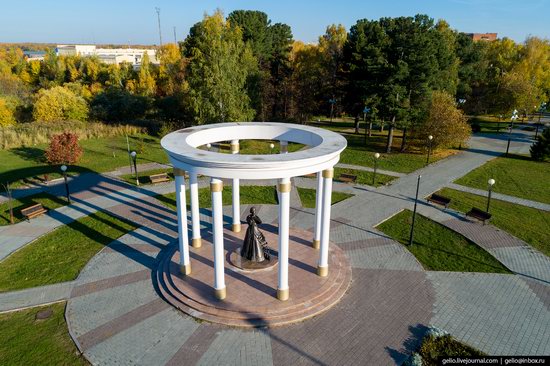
<point x="108" y="55"/>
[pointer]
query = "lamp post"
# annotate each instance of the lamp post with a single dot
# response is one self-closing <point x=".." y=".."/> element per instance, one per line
<point x="133" y="154"/>
<point x="430" y="138"/>
<point x="376" y="157"/>
<point x="332" y="101"/>
<point x="208" y="146"/>
<point x="10" y="206"/>
<point x="271" y="146"/>
<point x="513" y="118"/>
<point x="64" y="171"/>
<point x="414" y="211"/>
<point x="490" y="182"/>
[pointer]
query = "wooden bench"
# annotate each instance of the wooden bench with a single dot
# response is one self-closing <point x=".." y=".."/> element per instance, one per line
<point x="159" y="178"/>
<point x="33" y="211"/>
<point x="440" y="200"/>
<point x="347" y="178"/>
<point x="311" y="175"/>
<point x="478" y="214"/>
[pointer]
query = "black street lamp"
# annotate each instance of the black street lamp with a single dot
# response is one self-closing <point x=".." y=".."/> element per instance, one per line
<point x="376" y="157"/>
<point x="64" y="171"/>
<point x="414" y="211"/>
<point x="208" y="146"/>
<point x="271" y="147"/>
<point x="430" y="138"/>
<point x="133" y="154"/>
<point x="491" y="182"/>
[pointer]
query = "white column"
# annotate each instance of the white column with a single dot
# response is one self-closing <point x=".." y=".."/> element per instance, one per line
<point x="283" y="147"/>
<point x="318" y="211"/>
<point x="181" y="207"/>
<point x="322" y="268"/>
<point x="216" y="187"/>
<point x="284" y="211"/>
<point x="195" y="216"/>
<point x="236" y="194"/>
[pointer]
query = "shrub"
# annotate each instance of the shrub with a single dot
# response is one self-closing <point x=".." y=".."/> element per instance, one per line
<point x="540" y="150"/>
<point x="446" y="123"/>
<point x="6" y="114"/>
<point x="59" y="104"/>
<point x="63" y="149"/>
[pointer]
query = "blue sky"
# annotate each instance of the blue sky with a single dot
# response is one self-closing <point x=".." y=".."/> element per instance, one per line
<point x="125" y="21"/>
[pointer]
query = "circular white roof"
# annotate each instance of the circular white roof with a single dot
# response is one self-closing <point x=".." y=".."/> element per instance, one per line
<point x="323" y="152"/>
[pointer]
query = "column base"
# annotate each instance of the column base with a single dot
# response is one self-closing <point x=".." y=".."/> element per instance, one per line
<point x="185" y="269"/>
<point x="220" y="293"/>
<point x="236" y="228"/>
<point x="322" y="271"/>
<point x="316" y="244"/>
<point x="283" y="295"/>
<point x="196" y="242"/>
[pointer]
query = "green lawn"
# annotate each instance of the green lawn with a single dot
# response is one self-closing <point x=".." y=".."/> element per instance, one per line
<point x="25" y="340"/>
<point x="364" y="177"/>
<point x="307" y="196"/>
<point x="100" y="155"/>
<point x="528" y="224"/>
<point x="359" y="153"/>
<point x="516" y="175"/>
<point x="49" y="202"/>
<point x="248" y="194"/>
<point x="60" y="255"/>
<point x="439" y="248"/>
<point x="143" y="177"/>
<point x="433" y="348"/>
<point x="251" y="195"/>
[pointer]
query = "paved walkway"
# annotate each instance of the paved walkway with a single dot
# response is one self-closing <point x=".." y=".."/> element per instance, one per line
<point x="116" y="317"/>
<point x="369" y="169"/>
<point x="502" y="197"/>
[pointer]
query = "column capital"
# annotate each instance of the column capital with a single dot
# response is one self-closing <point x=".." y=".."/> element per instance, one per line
<point x="216" y="186"/>
<point x="328" y="173"/>
<point x="179" y="172"/>
<point x="284" y="187"/>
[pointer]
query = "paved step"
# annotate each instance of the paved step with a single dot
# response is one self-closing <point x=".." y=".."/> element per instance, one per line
<point x="301" y="309"/>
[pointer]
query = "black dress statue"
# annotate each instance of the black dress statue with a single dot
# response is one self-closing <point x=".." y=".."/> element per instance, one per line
<point x="255" y="247"/>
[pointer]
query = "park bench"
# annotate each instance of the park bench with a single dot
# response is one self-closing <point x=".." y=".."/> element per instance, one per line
<point x="33" y="211"/>
<point x="159" y="178"/>
<point x="440" y="200"/>
<point x="311" y="175"/>
<point x="481" y="215"/>
<point x="347" y="178"/>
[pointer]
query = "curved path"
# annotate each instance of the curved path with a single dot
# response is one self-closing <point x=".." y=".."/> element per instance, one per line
<point x="116" y="316"/>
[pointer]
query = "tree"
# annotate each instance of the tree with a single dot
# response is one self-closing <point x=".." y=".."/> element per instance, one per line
<point x="59" y="104"/>
<point x="6" y="114"/>
<point x="331" y="47"/>
<point x="446" y="123"/>
<point x="219" y="65"/>
<point x="146" y="83"/>
<point x="63" y="149"/>
<point x="540" y="150"/>
<point x="307" y="79"/>
<point x="117" y="105"/>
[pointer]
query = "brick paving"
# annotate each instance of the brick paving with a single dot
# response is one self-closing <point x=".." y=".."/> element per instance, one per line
<point x="116" y="317"/>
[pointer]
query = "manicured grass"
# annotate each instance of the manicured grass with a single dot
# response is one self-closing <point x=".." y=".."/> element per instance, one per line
<point x="439" y="248"/>
<point x="49" y="202"/>
<point x="433" y="348"/>
<point x="307" y="196"/>
<point x="516" y="175"/>
<point x="257" y="147"/>
<point x="528" y="224"/>
<point x="364" y="177"/>
<point x="60" y="255"/>
<point x="359" y="153"/>
<point x="143" y="177"/>
<point x="25" y="340"/>
<point x="100" y="155"/>
<point x="248" y="194"/>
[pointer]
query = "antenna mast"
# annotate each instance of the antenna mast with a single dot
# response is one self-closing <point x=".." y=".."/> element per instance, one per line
<point x="158" y="18"/>
<point x="175" y="40"/>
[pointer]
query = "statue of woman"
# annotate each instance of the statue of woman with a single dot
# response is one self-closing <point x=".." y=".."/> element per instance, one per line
<point x="255" y="247"/>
